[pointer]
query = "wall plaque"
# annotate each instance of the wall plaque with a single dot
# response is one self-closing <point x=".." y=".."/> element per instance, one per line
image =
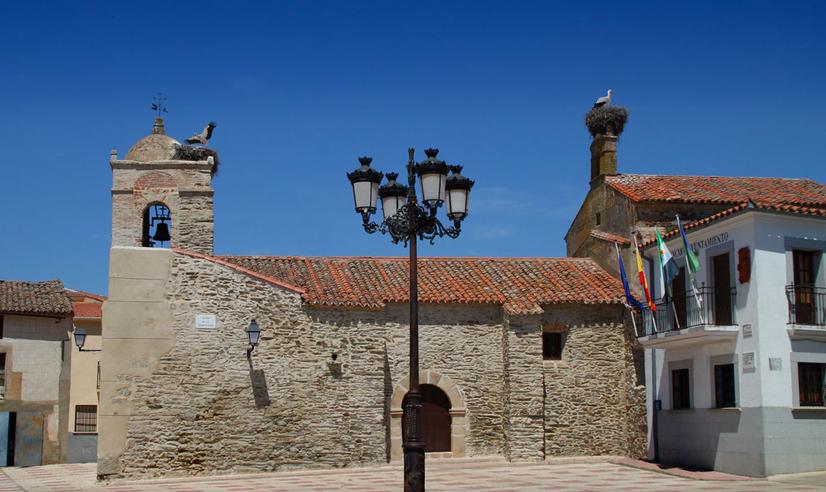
<point x="747" y="333"/>
<point x="775" y="363"/>
<point x="748" y="361"/>
<point x="206" y="321"/>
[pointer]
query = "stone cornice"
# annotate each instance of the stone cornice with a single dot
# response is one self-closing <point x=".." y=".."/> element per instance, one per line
<point x="140" y="165"/>
<point x="189" y="192"/>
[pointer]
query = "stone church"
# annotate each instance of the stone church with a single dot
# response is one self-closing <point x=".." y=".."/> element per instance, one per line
<point x="524" y="358"/>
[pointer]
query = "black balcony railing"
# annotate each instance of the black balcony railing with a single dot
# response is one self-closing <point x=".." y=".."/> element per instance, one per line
<point x="715" y="308"/>
<point x="807" y="304"/>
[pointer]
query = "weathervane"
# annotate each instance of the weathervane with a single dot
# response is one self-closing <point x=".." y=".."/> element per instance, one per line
<point x="157" y="104"/>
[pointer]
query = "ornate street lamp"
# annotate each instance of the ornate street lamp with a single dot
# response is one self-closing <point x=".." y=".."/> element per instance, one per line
<point x="405" y="220"/>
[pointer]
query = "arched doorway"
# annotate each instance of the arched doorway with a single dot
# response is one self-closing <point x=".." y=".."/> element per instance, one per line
<point x="456" y="411"/>
<point x="435" y="418"/>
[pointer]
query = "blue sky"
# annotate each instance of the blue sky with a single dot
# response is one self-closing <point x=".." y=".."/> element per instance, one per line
<point x="301" y="89"/>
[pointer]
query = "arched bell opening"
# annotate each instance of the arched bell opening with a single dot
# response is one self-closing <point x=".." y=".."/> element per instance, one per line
<point x="157" y="222"/>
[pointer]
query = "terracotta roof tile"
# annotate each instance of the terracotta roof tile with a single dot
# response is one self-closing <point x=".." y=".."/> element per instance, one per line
<point x="521" y="285"/>
<point x="87" y="309"/>
<point x="718" y="189"/>
<point x="607" y="236"/>
<point x="36" y="298"/>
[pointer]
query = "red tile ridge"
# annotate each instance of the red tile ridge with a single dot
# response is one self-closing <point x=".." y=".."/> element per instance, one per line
<point x="607" y="236"/>
<point x="241" y="269"/>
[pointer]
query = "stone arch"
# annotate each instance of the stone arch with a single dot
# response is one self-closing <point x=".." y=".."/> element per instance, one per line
<point x="458" y="409"/>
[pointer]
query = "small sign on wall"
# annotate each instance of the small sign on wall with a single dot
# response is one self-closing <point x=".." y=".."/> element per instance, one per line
<point x="747" y="332"/>
<point x="206" y="321"/>
<point x="748" y="361"/>
<point x="775" y="364"/>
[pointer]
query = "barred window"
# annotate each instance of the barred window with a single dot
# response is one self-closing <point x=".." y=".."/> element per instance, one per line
<point x="86" y="418"/>
<point x="812" y="384"/>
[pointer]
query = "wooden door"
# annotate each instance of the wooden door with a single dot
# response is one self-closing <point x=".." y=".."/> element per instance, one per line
<point x="804" y="281"/>
<point x="28" y="444"/>
<point x="721" y="265"/>
<point x="435" y="418"/>
<point x="678" y="293"/>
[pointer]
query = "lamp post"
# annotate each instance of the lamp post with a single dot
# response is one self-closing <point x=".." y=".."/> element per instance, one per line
<point x="406" y="220"/>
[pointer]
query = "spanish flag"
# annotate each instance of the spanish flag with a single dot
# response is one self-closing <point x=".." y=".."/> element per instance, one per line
<point x="643" y="282"/>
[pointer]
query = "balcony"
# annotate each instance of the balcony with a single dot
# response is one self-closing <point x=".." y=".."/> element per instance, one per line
<point x="707" y="317"/>
<point x="807" y="312"/>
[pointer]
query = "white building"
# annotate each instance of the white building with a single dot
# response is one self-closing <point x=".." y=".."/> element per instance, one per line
<point x="741" y="376"/>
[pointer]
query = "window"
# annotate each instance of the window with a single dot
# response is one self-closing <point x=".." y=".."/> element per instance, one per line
<point x="552" y="345"/>
<point x="803" y="264"/>
<point x="721" y="275"/>
<point x="724" y="394"/>
<point x="680" y="389"/>
<point x="598" y="219"/>
<point x="811" y="377"/>
<point x="86" y="418"/>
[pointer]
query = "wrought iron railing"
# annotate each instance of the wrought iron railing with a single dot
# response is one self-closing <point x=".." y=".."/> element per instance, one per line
<point x="708" y="307"/>
<point x="807" y="304"/>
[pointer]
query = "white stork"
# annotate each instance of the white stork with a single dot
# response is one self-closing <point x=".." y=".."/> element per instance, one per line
<point x="202" y="137"/>
<point x="604" y="100"/>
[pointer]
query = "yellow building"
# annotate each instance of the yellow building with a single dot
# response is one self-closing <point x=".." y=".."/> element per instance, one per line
<point x="84" y="391"/>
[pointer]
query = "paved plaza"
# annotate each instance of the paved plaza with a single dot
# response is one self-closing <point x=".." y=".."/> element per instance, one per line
<point x="443" y="475"/>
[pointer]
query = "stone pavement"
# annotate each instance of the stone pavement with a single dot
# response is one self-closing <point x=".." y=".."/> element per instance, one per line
<point x="485" y="474"/>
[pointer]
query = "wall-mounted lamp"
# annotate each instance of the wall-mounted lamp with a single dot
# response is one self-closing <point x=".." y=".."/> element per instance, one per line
<point x="334" y="365"/>
<point x="80" y="340"/>
<point x="254" y="335"/>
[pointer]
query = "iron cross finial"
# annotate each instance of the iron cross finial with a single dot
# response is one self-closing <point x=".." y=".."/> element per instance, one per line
<point x="157" y="104"/>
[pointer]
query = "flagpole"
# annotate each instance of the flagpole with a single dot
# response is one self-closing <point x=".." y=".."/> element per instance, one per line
<point x="686" y="246"/>
<point x="633" y="320"/>
<point x="653" y="313"/>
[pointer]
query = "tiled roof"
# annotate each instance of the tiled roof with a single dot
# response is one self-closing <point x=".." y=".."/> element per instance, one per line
<point x="520" y="285"/>
<point x="718" y="189"/>
<point x="768" y="207"/>
<point x="607" y="236"/>
<point x="36" y="298"/>
<point x="87" y="309"/>
<point x="83" y="296"/>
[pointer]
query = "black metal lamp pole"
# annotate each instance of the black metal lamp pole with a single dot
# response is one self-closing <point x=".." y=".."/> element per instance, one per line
<point x="405" y="220"/>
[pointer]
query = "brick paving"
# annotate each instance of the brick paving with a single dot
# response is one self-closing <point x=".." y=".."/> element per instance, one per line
<point x="443" y="475"/>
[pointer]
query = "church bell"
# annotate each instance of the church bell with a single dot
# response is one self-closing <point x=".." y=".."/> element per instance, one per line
<point x="161" y="232"/>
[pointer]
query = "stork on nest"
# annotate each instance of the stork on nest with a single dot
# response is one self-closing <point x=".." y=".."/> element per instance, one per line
<point x="204" y="136"/>
<point x="606" y="120"/>
<point x="193" y="153"/>
<point x="604" y="100"/>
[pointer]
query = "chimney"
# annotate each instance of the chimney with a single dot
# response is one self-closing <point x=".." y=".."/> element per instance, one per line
<point x="605" y="124"/>
<point x="603" y="155"/>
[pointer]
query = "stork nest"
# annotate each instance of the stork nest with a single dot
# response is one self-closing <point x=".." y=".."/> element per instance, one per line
<point x="193" y="153"/>
<point x="607" y="120"/>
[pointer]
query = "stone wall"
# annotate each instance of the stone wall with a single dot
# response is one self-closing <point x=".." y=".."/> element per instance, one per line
<point x="588" y="395"/>
<point x="524" y="426"/>
<point x="183" y="186"/>
<point x="203" y="407"/>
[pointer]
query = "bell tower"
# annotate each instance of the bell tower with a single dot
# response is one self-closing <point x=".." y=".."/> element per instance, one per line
<point x="162" y="194"/>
